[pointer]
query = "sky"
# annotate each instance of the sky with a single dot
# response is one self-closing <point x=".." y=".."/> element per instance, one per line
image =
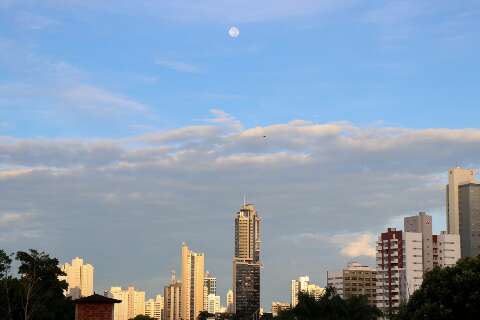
<point x="129" y="127"/>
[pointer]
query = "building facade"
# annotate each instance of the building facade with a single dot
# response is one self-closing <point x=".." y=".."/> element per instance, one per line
<point x="193" y="273"/>
<point x="456" y="177"/>
<point x="422" y="223"/>
<point x="446" y="249"/>
<point x="354" y="280"/>
<point x="154" y="307"/>
<point x="132" y="302"/>
<point x="229" y="301"/>
<point x="399" y="268"/>
<point x="172" y="300"/>
<point x="246" y="263"/>
<point x="79" y="277"/>
<point x="213" y="304"/>
<point x="209" y="287"/>
<point x="469" y="213"/>
<point x="278" y="307"/>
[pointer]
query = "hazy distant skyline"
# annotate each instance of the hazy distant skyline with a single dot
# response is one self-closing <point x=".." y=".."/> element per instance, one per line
<point x="126" y="130"/>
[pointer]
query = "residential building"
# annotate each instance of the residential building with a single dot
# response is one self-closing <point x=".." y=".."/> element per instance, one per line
<point x="446" y="249"/>
<point x="193" y="273"/>
<point x="422" y="223"/>
<point x="213" y="304"/>
<point x="302" y="284"/>
<point x="278" y="307"/>
<point x="456" y="177"/>
<point x="172" y="300"/>
<point x="209" y="287"/>
<point x="79" y="277"/>
<point x="229" y="301"/>
<point x="246" y="263"/>
<point x="133" y="302"/>
<point x="154" y="307"/>
<point x="469" y="217"/>
<point x="399" y="267"/>
<point x="354" y="280"/>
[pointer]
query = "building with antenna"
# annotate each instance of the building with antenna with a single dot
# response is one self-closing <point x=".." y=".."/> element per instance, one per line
<point x="246" y="263"/>
<point x="171" y="296"/>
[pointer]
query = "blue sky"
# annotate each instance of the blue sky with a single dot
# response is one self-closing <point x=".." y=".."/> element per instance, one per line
<point x="137" y="116"/>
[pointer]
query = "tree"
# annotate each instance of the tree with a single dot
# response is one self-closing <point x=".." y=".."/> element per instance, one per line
<point x="204" y="315"/>
<point x="5" y="278"/>
<point x="330" y="306"/>
<point x="447" y="293"/>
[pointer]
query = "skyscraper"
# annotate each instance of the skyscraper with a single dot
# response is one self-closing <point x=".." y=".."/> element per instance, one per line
<point x="154" y="307"/>
<point x="354" y="280"/>
<point x="297" y="286"/>
<point x="172" y="300"/>
<point x="133" y="302"/>
<point x="209" y="287"/>
<point x="79" y="277"/>
<point x="422" y="223"/>
<point x="456" y="177"/>
<point x="246" y="263"/>
<point x="229" y="300"/>
<point x="399" y="267"/>
<point x="193" y="272"/>
<point x="446" y="249"/>
<point x="469" y="213"/>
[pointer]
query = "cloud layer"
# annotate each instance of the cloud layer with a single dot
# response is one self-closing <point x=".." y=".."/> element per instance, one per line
<point x="323" y="190"/>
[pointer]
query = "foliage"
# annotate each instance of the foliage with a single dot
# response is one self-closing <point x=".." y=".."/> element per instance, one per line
<point x="36" y="294"/>
<point x="203" y="315"/>
<point x="447" y="293"/>
<point x="330" y="306"/>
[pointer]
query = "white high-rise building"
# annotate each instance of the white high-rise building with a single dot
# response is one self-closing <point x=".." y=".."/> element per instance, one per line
<point x="446" y="249"/>
<point x="154" y="307"/>
<point x="209" y="287"/>
<point x="456" y="177"/>
<point x="230" y="301"/>
<point x="303" y="285"/>
<point x="79" y="277"/>
<point x="132" y="305"/>
<point x="399" y="267"/>
<point x="213" y="305"/>
<point x="193" y="273"/>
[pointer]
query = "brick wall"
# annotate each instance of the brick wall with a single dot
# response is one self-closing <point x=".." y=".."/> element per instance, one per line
<point x="94" y="311"/>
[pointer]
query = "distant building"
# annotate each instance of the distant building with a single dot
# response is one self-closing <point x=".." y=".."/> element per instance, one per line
<point x="229" y="301"/>
<point x="209" y="287"/>
<point x="469" y="216"/>
<point x="172" y="300"/>
<point x="154" y="307"/>
<point x="277" y="307"/>
<point x="94" y="307"/>
<point x="422" y="223"/>
<point x="446" y="249"/>
<point x="354" y="280"/>
<point x="246" y="263"/>
<point x="133" y="302"/>
<point x="79" y="277"/>
<point x="399" y="267"/>
<point x="302" y="284"/>
<point x="456" y="177"/>
<point x="193" y="273"/>
<point x="213" y="304"/>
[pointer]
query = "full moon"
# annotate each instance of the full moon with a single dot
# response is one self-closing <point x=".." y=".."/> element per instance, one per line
<point x="233" y="32"/>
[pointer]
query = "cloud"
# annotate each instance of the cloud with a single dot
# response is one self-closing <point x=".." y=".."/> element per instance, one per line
<point x="177" y="66"/>
<point x="7" y="219"/>
<point x="356" y="245"/>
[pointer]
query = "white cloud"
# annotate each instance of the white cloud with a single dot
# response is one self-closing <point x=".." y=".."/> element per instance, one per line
<point x="10" y="218"/>
<point x="356" y="245"/>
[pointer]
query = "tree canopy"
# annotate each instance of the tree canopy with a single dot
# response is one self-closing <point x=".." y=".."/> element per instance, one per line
<point x="447" y="293"/>
<point x="330" y="306"/>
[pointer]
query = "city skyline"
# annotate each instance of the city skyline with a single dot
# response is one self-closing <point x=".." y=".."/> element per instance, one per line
<point x="128" y="129"/>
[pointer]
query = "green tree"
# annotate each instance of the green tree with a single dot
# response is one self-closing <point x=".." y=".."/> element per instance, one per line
<point x="447" y="293"/>
<point x="330" y="306"/>
<point x="204" y="315"/>
<point x="5" y="279"/>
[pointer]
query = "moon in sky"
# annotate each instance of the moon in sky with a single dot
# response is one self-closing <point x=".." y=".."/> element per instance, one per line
<point x="233" y="32"/>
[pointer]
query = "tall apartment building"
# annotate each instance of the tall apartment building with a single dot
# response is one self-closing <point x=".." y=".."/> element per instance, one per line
<point x="278" y="307"/>
<point x="302" y="284"/>
<point x="422" y="223"/>
<point x="354" y="280"/>
<point x="469" y="217"/>
<point x="446" y="249"/>
<point x="456" y="177"/>
<point x="213" y="304"/>
<point x="193" y="273"/>
<point x="172" y="300"/>
<point x="133" y="302"/>
<point x="399" y="267"/>
<point x="246" y="263"/>
<point x="209" y="287"/>
<point x="154" y="307"/>
<point x="229" y="301"/>
<point x="79" y="277"/>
